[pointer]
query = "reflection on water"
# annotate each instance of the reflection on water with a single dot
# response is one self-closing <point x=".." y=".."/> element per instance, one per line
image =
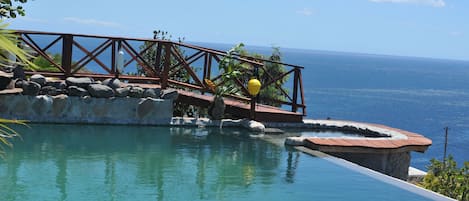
<point x="157" y="161"/>
<point x="78" y="162"/>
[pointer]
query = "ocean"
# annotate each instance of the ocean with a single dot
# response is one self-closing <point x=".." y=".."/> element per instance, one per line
<point x="421" y="95"/>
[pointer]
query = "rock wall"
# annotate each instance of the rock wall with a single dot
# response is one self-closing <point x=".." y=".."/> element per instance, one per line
<point x="74" y="109"/>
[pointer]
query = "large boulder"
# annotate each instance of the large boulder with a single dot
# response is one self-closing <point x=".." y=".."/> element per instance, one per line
<point x="152" y="93"/>
<point x="100" y="91"/>
<point x="31" y="88"/>
<point x="77" y="91"/>
<point x="136" y="92"/>
<point x="5" y="79"/>
<point x="38" y="78"/>
<point x="112" y="82"/>
<point x="171" y="94"/>
<point x="216" y="110"/>
<point x="82" y="82"/>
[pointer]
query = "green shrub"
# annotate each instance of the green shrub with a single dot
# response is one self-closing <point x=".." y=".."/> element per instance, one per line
<point x="446" y="178"/>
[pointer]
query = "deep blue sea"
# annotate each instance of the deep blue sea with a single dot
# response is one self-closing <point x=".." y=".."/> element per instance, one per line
<point x="416" y="94"/>
<point x="420" y="95"/>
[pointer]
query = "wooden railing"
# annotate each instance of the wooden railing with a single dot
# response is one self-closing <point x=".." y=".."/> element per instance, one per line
<point x="160" y="60"/>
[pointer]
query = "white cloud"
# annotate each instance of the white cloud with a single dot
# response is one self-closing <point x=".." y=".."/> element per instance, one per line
<point x="35" y="20"/>
<point x="305" y="11"/>
<point x="434" y="3"/>
<point x="93" y="22"/>
<point x="456" y="33"/>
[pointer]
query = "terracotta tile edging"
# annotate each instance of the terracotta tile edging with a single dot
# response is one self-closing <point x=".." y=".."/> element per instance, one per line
<point x="398" y="140"/>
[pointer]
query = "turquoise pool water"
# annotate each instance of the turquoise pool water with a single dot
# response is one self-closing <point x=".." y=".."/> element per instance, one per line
<point x="81" y="162"/>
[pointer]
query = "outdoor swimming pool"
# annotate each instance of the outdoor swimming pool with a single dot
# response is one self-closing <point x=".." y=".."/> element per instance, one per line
<point x="83" y="162"/>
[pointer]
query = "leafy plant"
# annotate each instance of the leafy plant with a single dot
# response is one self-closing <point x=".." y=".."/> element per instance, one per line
<point x="8" y="45"/>
<point x="230" y="69"/>
<point x="270" y="94"/>
<point x="44" y="65"/>
<point x="446" y="178"/>
<point x="180" y="75"/>
<point x="8" y="10"/>
<point x="7" y="133"/>
<point x="150" y="54"/>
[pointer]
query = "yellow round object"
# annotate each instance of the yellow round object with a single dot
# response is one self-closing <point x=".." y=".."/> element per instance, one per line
<point x="254" y="86"/>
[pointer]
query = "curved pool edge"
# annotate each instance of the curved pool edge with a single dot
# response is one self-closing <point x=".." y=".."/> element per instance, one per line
<point x="389" y="155"/>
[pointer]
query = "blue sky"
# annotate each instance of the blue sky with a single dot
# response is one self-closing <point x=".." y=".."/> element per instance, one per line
<point x="423" y="28"/>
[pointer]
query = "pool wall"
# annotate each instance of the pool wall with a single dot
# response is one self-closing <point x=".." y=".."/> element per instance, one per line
<point x="72" y="109"/>
<point x="389" y="155"/>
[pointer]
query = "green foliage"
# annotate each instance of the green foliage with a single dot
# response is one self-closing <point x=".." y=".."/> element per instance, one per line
<point x="7" y="133"/>
<point x="446" y="178"/>
<point x="180" y="75"/>
<point x="150" y="55"/>
<point x="271" y="94"/>
<point x="8" y="44"/>
<point x="230" y="69"/>
<point x="44" y="65"/>
<point x="8" y="9"/>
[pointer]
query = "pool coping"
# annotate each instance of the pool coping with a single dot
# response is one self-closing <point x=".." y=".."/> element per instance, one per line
<point x="397" y="141"/>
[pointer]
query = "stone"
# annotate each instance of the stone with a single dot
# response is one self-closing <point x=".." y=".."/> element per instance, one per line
<point x="122" y="92"/>
<point x="19" y="83"/>
<point x="114" y="83"/>
<point x="38" y="78"/>
<point x="58" y="84"/>
<point x="82" y="82"/>
<point x="77" y="91"/>
<point x="152" y="93"/>
<point x="18" y="73"/>
<point x="5" y="79"/>
<point x="170" y="94"/>
<point x="48" y="90"/>
<point x="31" y="88"/>
<point x="100" y="91"/>
<point x="216" y="110"/>
<point x="136" y="92"/>
<point x="255" y="126"/>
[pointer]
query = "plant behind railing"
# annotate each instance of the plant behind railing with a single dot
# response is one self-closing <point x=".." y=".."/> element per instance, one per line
<point x="179" y="72"/>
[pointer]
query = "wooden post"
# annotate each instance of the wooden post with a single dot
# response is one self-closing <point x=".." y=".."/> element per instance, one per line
<point x="252" y="112"/>
<point x="166" y="66"/>
<point x="67" y="54"/>
<point x="446" y="144"/>
<point x="157" y="65"/>
<point x="294" y="106"/>
<point x="113" y="58"/>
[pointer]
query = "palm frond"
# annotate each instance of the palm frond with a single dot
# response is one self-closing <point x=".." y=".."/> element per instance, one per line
<point x="9" y="43"/>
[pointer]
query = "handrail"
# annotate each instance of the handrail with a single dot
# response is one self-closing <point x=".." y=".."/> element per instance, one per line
<point x="166" y="61"/>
